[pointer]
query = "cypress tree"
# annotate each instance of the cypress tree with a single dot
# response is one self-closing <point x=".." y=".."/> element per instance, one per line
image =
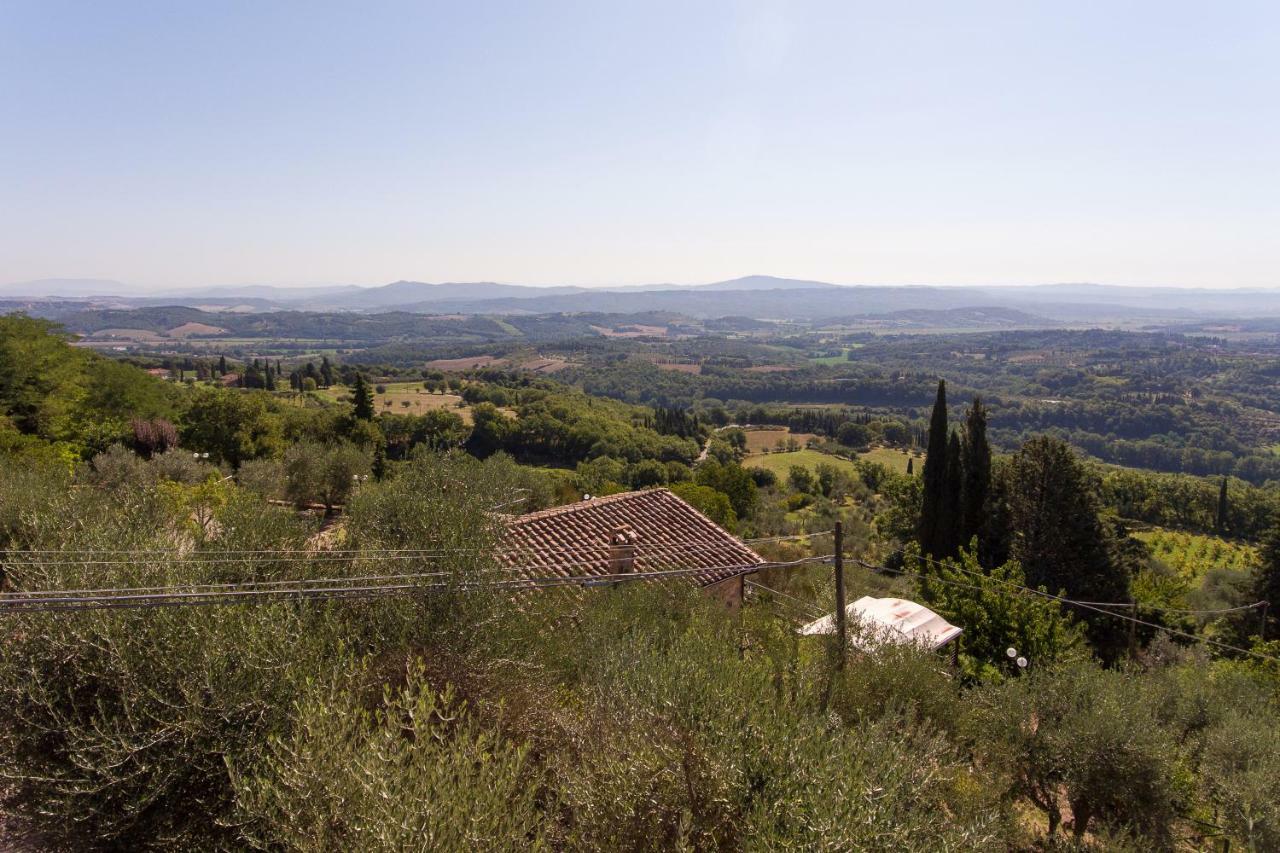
<point x="950" y="515"/>
<point x="994" y="540"/>
<point x="935" y="477"/>
<point x="910" y="466"/>
<point x="976" y="463"/>
<point x="222" y="365"/>
<point x="362" y="396"/>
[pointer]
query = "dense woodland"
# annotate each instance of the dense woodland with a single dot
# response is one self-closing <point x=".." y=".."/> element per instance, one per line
<point x="645" y="717"/>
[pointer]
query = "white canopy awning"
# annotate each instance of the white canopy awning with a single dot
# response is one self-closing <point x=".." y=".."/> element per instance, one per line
<point x="873" y="621"/>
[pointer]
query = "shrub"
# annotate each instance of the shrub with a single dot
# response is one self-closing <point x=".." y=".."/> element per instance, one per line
<point x="415" y="773"/>
<point x="1089" y="736"/>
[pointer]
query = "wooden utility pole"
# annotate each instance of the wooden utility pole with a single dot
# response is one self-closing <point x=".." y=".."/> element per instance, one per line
<point x="1133" y="626"/>
<point x="842" y="635"/>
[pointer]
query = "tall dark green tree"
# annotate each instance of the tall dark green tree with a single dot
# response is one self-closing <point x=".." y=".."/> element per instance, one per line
<point x="362" y="398"/>
<point x="994" y="538"/>
<point x="935" y="478"/>
<point x="950" y="522"/>
<point x="222" y="365"/>
<point x="326" y="371"/>
<point x="976" y="459"/>
<point x="1058" y="536"/>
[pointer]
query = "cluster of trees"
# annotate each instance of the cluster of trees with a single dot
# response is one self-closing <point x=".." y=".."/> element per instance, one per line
<point x="1039" y="509"/>
<point x="650" y="719"/>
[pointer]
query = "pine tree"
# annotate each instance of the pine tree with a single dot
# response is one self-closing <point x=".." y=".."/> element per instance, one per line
<point x="1220" y="521"/>
<point x="976" y="462"/>
<point x="1058" y="536"/>
<point x="935" y="476"/>
<point x="362" y="397"/>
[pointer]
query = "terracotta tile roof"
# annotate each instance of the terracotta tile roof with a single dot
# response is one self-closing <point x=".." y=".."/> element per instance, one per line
<point x="573" y="540"/>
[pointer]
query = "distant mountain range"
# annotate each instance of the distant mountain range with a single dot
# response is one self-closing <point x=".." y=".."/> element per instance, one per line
<point x="758" y="297"/>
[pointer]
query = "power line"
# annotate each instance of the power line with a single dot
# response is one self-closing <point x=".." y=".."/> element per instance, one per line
<point x="1086" y="605"/>
<point x="806" y="605"/>
<point x="1091" y="604"/>
<point x="126" y="598"/>
<point x="84" y="556"/>
<point x="644" y="551"/>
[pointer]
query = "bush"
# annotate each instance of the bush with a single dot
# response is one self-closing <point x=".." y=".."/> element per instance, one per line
<point x="1088" y="736"/>
<point x="1241" y="769"/>
<point x="415" y="773"/>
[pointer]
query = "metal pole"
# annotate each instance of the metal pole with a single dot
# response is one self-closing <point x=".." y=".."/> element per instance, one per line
<point x="842" y="635"/>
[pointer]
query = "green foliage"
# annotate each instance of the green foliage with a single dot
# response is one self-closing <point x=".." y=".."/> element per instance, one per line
<point x="934" y="516"/>
<point x="801" y="479"/>
<point x="975" y="509"/>
<point x="996" y="615"/>
<point x="853" y="434"/>
<point x="361" y="397"/>
<point x="1089" y="739"/>
<point x="669" y="737"/>
<point x="1057" y="534"/>
<point x="731" y="479"/>
<point x="437" y="429"/>
<point x="56" y="393"/>
<point x="232" y="426"/>
<point x="489" y="430"/>
<point x="417" y="772"/>
<point x="1242" y="777"/>
<point x="323" y="473"/>
<point x="713" y="504"/>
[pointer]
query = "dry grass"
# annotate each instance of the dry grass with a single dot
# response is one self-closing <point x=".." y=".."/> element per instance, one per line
<point x="419" y="402"/>
<point x="186" y="330"/>
<point x="470" y="363"/>
<point x="632" y="331"/>
<point x="760" y="440"/>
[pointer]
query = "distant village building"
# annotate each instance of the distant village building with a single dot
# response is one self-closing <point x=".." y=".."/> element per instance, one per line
<point x="644" y="531"/>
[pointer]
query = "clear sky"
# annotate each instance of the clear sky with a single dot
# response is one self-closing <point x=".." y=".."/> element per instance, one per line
<point x="188" y="143"/>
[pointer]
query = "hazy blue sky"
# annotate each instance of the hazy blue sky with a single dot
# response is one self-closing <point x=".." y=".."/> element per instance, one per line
<point x="183" y="143"/>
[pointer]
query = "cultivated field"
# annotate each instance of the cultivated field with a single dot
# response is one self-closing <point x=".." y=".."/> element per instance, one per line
<point x="760" y="440"/>
<point x="1191" y="555"/>
<point x="406" y="398"/>
<point x="780" y="463"/>
<point x="894" y="460"/>
<point x="469" y="363"/>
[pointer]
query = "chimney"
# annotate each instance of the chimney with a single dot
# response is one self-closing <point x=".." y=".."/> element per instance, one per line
<point x="622" y="551"/>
